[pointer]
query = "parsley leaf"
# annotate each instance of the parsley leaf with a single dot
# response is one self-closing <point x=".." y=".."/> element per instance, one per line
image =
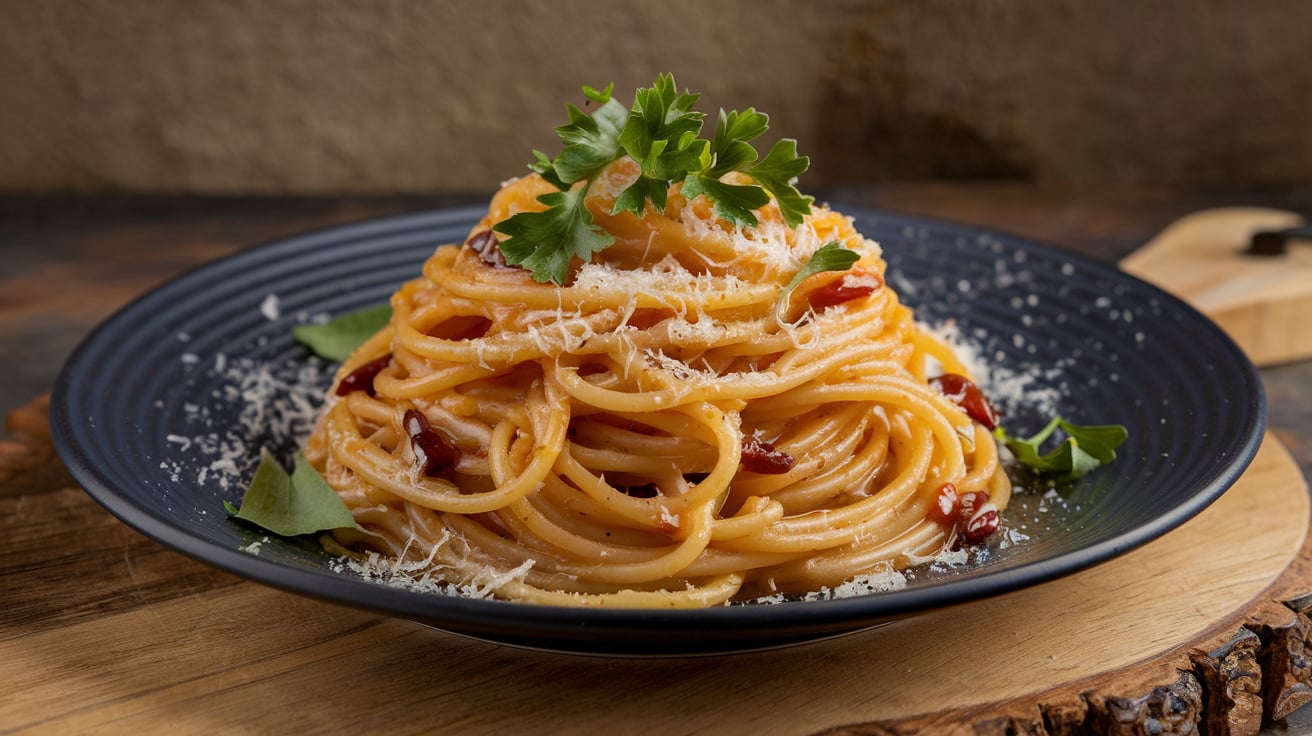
<point x="545" y="242"/>
<point x="730" y="144"/>
<point x="660" y="132"/>
<point x="831" y="256"/>
<point x="301" y="502"/>
<point x="591" y="142"/>
<point x="339" y="337"/>
<point x="1084" y="449"/>
<point x="661" y="136"/>
<point x="778" y="173"/>
<point x="733" y="202"/>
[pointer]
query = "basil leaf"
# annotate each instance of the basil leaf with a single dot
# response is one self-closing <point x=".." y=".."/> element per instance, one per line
<point x="292" y="504"/>
<point x="339" y="337"/>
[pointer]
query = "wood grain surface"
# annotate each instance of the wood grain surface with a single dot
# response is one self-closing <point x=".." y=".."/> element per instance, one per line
<point x="114" y="632"/>
<point x="117" y="633"/>
<point x="1262" y="301"/>
<point x="102" y="631"/>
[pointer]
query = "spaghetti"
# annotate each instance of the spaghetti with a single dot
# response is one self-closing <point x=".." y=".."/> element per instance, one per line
<point x="668" y="428"/>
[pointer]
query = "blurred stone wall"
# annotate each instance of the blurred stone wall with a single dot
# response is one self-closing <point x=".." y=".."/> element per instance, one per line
<point x="344" y="96"/>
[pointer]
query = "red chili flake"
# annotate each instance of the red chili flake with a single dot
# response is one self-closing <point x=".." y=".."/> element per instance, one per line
<point x="761" y="457"/>
<point x="841" y="290"/>
<point x="981" y="525"/>
<point x="964" y="393"/>
<point x="970" y="505"/>
<point x="362" y="378"/>
<point x="944" y="508"/>
<point x="484" y="243"/>
<point x="434" y="452"/>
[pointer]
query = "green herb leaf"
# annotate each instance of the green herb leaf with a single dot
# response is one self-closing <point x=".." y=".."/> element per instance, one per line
<point x="339" y="337"/>
<point x="301" y="502"/>
<point x="642" y="190"/>
<point x="730" y="144"/>
<point x="602" y="96"/>
<point x="661" y="136"/>
<point x="831" y="256"/>
<point x="545" y="168"/>
<point x="1084" y="449"/>
<point x="660" y="132"/>
<point x="778" y="172"/>
<point x="733" y="202"/>
<point x="545" y="242"/>
<point x="591" y="142"/>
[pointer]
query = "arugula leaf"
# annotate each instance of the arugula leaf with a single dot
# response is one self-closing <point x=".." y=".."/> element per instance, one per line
<point x="831" y="256"/>
<point x="660" y="132"/>
<point x="301" y="502"/>
<point x="339" y="337"/>
<point x="545" y="242"/>
<point x="1084" y="449"/>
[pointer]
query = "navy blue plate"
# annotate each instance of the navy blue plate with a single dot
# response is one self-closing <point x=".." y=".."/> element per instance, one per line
<point x="161" y="411"/>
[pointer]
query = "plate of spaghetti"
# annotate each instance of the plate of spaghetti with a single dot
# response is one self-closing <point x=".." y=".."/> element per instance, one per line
<point x="627" y="411"/>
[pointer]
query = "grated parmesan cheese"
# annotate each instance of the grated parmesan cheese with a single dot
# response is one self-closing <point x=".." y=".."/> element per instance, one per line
<point x="271" y="307"/>
<point x="251" y="404"/>
<point x="1006" y="387"/>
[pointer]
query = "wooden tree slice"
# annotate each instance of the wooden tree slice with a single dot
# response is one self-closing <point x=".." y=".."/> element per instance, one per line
<point x="113" y="629"/>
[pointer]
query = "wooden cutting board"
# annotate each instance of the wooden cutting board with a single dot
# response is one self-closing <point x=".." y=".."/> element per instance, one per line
<point x="1262" y="301"/>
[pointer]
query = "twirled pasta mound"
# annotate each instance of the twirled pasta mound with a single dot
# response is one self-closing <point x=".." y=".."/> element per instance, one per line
<point x="667" y="428"/>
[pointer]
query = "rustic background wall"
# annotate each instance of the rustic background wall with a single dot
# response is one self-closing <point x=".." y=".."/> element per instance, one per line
<point x="339" y="96"/>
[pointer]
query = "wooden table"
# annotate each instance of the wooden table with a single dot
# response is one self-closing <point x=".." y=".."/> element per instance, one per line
<point x="101" y="630"/>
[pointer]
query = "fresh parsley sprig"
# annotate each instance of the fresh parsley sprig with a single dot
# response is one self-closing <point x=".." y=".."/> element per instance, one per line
<point x="660" y="132"/>
<point x="1084" y="449"/>
<point x="545" y="242"/>
<point x="660" y="135"/>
